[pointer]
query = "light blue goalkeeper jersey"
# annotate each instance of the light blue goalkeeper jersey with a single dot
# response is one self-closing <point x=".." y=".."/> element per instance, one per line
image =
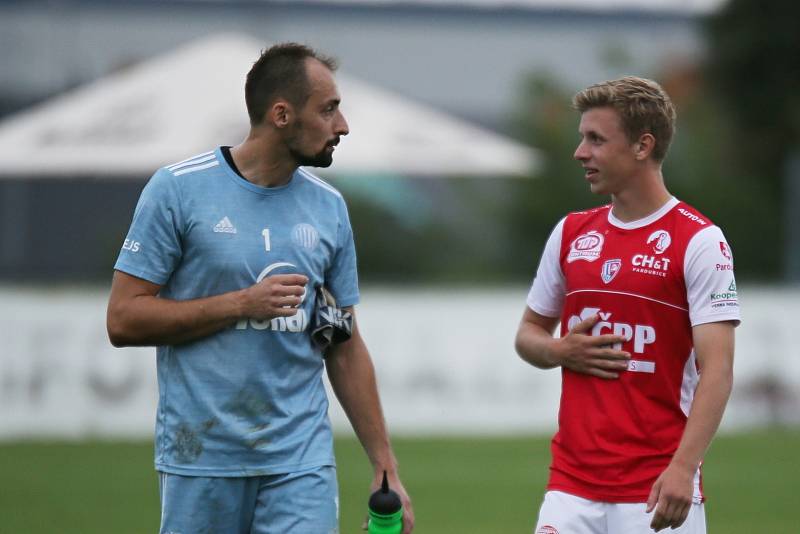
<point x="248" y="400"/>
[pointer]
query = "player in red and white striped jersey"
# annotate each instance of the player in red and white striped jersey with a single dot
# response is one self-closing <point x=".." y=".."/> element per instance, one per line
<point x="646" y="297"/>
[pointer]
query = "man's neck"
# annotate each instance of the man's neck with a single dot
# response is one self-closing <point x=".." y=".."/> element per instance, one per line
<point x="644" y="197"/>
<point x="262" y="161"/>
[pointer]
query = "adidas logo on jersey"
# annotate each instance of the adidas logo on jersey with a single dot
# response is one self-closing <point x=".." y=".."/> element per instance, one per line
<point x="224" y="226"/>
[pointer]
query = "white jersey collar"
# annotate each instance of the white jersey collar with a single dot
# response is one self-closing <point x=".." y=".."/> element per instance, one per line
<point x="639" y="223"/>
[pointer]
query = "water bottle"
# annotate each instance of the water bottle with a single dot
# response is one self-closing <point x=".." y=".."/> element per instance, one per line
<point x="385" y="511"/>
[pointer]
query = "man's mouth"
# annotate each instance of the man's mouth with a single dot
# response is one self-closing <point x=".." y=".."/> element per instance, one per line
<point x="590" y="172"/>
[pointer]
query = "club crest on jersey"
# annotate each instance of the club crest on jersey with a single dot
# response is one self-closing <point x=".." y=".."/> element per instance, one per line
<point x="610" y="269"/>
<point x="586" y="247"/>
<point x="661" y="241"/>
<point x="723" y="247"/>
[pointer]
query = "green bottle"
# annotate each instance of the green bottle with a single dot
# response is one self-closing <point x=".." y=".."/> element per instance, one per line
<point x="385" y="511"/>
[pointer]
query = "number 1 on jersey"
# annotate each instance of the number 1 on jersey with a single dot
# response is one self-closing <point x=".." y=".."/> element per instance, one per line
<point x="265" y="233"/>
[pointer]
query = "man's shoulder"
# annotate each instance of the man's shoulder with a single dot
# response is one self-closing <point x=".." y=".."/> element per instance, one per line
<point x="194" y="164"/>
<point x="589" y="219"/>
<point x="599" y="211"/>
<point x="691" y="217"/>
<point x="314" y="183"/>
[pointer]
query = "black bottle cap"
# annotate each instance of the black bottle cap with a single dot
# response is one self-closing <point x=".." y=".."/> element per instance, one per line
<point x="385" y="501"/>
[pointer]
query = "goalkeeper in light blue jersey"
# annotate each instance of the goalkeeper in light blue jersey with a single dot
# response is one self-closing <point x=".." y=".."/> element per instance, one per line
<point x="223" y="269"/>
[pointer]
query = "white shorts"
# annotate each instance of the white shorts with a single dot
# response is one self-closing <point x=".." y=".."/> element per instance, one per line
<point x="562" y="513"/>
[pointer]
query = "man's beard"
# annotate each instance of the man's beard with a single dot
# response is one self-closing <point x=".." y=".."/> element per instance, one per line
<point x="322" y="158"/>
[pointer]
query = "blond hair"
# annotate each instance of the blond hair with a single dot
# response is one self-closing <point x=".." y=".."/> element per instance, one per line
<point x="643" y="107"/>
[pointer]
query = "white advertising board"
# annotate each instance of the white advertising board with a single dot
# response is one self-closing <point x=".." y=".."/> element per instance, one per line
<point x="445" y="362"/>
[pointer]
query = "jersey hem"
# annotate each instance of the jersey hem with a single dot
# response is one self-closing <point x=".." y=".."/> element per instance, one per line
<point x="604" y="497"/>
<point x="344" y="303"/>
<point x="599" y="497"/>
<point x="717" y="319"/>
<point x="140" y="273"/>
<point x="541" y="311"/>
<point x="243" y="471"/>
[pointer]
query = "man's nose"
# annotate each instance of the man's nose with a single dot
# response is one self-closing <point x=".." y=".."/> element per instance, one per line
<point x="580" y="152"/>
<point x="341" y="125"/>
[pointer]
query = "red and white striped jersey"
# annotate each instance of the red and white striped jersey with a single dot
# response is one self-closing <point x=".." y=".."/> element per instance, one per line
<point x="650" y="281"/>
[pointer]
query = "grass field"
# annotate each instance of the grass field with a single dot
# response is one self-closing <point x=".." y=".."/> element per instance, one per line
<point x="459" y="485"/>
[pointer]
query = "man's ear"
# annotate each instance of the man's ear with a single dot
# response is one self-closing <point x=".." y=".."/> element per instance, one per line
<point x="644" y="146"/>
<point x="280" y="114"/>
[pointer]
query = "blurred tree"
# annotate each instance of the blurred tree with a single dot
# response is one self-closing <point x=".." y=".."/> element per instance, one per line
<point x="544" y="119"/>
<point x="754" y="68"/>
<point x="428" y="230"/>
<point x="700" y="169"/>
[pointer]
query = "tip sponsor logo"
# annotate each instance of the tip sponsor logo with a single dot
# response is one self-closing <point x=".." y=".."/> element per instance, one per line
<point x="586" y="247"/>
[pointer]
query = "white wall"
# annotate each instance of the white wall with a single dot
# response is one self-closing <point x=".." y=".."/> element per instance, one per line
<point x="445" y="363"/>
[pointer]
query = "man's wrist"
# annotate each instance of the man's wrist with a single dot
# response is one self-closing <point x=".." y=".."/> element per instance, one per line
<point x="386" y="464"/>
<point x="239" y="304"/>
<point x="685" y="465"/>
<point x="552" y="353"/>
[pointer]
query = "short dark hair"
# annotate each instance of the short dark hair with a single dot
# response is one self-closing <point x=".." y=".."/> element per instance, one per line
<point x="280" y="72"/>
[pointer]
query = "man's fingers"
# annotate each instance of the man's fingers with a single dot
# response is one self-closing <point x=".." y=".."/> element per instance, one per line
<point x="682" y="515"/>
<point x="612" y="356"/>
<point x="608" y="339"/>
<point x="658" y="519"/>
<point x="584" y="326"/>
<point x="288" y="291"/>
<point x="675" y="513"/>
<point x="284" y="311"/>
<point x="290" y="302"/>
<point x="290" y="279"/>
<point x="652" y="499"/>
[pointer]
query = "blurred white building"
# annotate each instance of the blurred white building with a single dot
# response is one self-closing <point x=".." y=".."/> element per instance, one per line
<point x="467" y="57"/>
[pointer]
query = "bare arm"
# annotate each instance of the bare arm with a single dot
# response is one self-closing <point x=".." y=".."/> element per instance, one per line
<point x="352" y="377"/>
<point x="137" y="316"/>
<point x="578" y="351"/>
<point x="671" y="495"/>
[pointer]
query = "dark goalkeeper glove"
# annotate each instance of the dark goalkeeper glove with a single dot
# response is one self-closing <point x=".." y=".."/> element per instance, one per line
<point x="330" y="325"/>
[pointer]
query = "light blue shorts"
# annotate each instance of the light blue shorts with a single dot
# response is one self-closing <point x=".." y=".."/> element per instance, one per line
<point x="306" y="502"/>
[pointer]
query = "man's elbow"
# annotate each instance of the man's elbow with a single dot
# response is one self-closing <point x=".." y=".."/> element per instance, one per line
<point x="119" y="333"/>
<point x="116" y="335"/>
<point x="523" y="350"/>
<point x="518" y="346"/>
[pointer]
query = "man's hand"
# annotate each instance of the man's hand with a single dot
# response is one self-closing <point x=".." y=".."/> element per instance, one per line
<point x="396" y="486"/>
<point x="671" y="497"/>
<point x="278" y="295"/>
<point x="581" y="352"/>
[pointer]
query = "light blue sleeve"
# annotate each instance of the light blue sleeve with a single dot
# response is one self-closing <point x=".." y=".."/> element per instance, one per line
<point x="341" y="279"/>
<point x="152" y="249"/>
